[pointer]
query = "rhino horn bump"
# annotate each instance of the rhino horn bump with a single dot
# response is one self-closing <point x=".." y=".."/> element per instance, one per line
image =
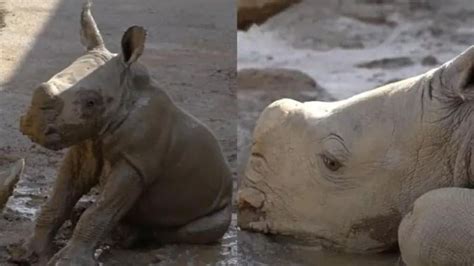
<point x="90" y="34"/>
<point x="9" y="179"/>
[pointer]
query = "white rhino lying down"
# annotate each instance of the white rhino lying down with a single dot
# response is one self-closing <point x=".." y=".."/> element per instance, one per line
<point x="344" y="174"/>
<point x="160" y="170"/>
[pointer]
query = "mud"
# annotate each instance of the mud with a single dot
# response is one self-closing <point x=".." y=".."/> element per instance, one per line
<point x="3" y="13"/>
<point x="2" y="18"/>
<point x="382" y="228"/>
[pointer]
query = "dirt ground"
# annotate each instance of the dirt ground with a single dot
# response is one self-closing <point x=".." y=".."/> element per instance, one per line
<point x="191" y="51"/>
<point x="353" y="46"/>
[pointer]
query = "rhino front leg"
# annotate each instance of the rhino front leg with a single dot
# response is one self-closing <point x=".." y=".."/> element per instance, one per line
<point x="9" y="179"/>
<point x="121" y="190"/>
<point x="73" y="181"/>
<point x="440" y="229"/>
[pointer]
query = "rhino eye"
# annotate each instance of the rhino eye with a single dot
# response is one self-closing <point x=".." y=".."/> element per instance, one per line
<point x="330" y="163"/>
<point x="90" y="103"/>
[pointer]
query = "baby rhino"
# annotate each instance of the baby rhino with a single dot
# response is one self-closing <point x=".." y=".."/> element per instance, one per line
<point x="160" y="170"/>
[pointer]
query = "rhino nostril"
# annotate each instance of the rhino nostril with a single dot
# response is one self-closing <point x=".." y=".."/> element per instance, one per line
<point x="50" y="130"/>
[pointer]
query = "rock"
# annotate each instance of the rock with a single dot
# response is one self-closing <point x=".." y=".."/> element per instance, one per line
<point x="10" y="172"/>
<point x="429" y="61"/>
<point x="258" y="11"/>
<point x="387" y="63"/>
<point x="257" y="88"/>
<point x="372" y="12"/>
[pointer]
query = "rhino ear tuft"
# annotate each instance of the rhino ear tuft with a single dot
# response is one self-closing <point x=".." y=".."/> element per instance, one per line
<point x="133" y="44"/>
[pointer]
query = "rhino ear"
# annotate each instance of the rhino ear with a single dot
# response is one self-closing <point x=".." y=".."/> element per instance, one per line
<point x="133" y="43"/>
<point x="90" y="35"/>
<point x="459" y="75"/>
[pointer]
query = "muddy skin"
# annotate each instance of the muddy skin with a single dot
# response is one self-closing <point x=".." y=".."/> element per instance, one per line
<point x="2" y="18"/>
<point x="126" y="136"/>
<point x="382" y="228"/>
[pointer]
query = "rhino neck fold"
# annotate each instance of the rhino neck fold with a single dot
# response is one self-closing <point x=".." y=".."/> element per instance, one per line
<point x="117" y="118"/>
<point x="465" y="162"/>
<point x="450" y="127"/>
<point x="149" y="103"/>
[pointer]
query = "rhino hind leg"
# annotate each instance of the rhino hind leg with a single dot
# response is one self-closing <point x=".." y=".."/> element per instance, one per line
<point x="205" y="230"/>
<point x="9" y="178"/>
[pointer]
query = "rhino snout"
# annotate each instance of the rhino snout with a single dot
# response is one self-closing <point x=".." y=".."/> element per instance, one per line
<point x="49" y="130"/>
<point x="29" y="126"/>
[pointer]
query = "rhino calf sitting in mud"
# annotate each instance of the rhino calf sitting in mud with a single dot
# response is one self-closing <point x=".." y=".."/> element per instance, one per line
<point x="160" y="170"/>
<point x="344" y="174"/>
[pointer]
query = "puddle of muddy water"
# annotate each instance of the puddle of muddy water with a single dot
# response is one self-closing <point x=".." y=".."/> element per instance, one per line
<point x="26" y="199"/>
<point x="236" y="248"/>
<point x="245" y="248"/>
<point x="258" y="249"/>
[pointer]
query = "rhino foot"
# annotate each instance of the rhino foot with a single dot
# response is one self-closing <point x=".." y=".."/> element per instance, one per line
<point x="35" y="251"/>
<point x="72" y="255"/>
<point x="25" y="255"/>
<point x="126" y="236"/>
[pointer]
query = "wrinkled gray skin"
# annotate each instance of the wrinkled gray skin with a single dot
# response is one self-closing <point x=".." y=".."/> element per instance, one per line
<point x="160" y="170"/>
<point x="440" y="229"/>
<point x="343" y="174"/>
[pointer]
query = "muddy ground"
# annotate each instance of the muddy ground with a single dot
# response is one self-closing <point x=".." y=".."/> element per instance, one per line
<point x="190" y="49"/>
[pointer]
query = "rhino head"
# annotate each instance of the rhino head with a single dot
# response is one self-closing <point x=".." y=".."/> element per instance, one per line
<point x="90" y="95"/>
<point x="343" y="174"/>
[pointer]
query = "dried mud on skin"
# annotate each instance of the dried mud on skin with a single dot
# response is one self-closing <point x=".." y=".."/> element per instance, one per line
<point x="3" y="13"/>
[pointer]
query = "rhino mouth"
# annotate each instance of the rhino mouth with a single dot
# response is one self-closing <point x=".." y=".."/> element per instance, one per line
<point x="50" y="141"/>
<point x="49" y="138"/>
<point x="53" y="142"/>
